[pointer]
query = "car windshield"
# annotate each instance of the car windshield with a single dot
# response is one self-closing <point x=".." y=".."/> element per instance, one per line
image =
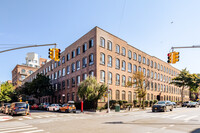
<point x="193" y="103"/>
<point x="161" y="102"/>
<point x="20" y="104"/>
<point x="64" y="105"/>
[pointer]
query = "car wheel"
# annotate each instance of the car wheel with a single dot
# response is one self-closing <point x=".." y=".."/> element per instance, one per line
<point x="54" y="110"/>
<point x="171" y="109"/>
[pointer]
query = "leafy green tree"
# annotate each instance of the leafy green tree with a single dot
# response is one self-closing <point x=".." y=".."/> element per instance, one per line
<point x="6" y="91"/>
<point x="182" y="80"/>
<point x="90" y="90"/>
<point x="193" y="83"/>
<point x="39" y="87"/>
<point x="141" y="83"/>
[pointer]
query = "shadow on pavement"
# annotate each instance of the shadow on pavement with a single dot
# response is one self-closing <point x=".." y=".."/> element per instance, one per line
<point x="196" y="131"/>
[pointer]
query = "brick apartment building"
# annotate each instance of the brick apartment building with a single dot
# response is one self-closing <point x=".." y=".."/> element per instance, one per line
<point x="20" y="72"/>
<point x="112" y="61"/>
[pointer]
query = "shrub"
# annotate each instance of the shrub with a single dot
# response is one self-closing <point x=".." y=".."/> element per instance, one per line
<point x="135" y="103"/>
<point x="120" y="102"/>
<point x="155" y="101"/>
<point x="151" y="103"/>
<point x="146" y="102"/>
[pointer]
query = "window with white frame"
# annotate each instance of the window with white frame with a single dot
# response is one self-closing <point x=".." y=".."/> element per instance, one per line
<point x="155" y="65"/>
<point x="117" y="79"/>
<point x="144" y="71"/>
<point x="139" y="58"/>
<point x="109" y="78"/>
<point x="123" y="51"/>
<point x="123" y="65"/>
<point x="155" y="75"/>
<point x="109" y="45"/>
<point x="134" y="56"/>
<point x="63" y="72"/>
<point x="91" y="59"/>
<point x="68" y="69"/>
<point x="102" y="76"/>
<point x="102" y="58"/>
<point x="109" y="61"/>
<point x="123" y="80"/>
<point x="117" y="64"/>
<point x="84" y="76"/>
<point x="129" y="54"/>
<point x="84" y="60"/>
<point x="117" y="50"/>
<point x="78" y="79"/>
<point x="78" y="64"/>
<point x="129" y="67"/>
<point x="139" y="69"/>
<point x="148" y="62"/>
<point x="144" y="60"/>
<point x="152" y="74"/>
<point x="73" y="67"/>
<point x="102" y="42"/>
<point x="134" y="68"/>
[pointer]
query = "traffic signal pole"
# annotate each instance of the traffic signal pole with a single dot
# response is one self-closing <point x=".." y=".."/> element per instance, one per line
<point x="29" y="46"/>
<point x="194" y="46"/>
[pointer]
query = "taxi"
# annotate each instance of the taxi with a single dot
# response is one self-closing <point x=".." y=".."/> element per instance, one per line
<point x="68" y="108"/>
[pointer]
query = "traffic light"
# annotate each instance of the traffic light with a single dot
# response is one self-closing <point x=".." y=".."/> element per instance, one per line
<point x="57" y="54"/>
<point x="175" y="57"/>
<point x="169" y="57"/>
<point x="51" y="53"/>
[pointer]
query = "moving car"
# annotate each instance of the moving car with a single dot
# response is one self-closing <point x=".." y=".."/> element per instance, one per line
<point x="192" y="104"/>
<point x="17" y="108"/>
<point x="34" y="106"/>
<point x="162" y="106"/>
<point x="53" y="107"/>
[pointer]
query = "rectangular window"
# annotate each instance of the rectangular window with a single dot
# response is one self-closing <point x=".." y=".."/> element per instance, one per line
<point x="91" y="59"/>
<point x="73" y="53"/>
<point x="84" y="76"/>
<point x="117" y="49"/>
<point x="109" y="78"/>
<point x="73" y="82"/>
<point x="109" y="61"/>
<point x="123" y="80"/>
<point x="129" y="67"/>
<point x="63" y="84"/>
<point x="55" y="75"/>
<point x="78" y="50"/>
<point x="110" y="45"/>
<point x="102" y="58"/>
<point x="68" y="69"/>
<point x="68" y="57"/>
<point x="117" y="79"/>
<point x="78" y="78"/>
<point x="63" y="72"/>
<point x="84" y="62"/>
<point x="139" y="58"/>
<point x="91" y="43"/>
<point x="77" y="65"/>
<point x="73" y="67"/>
<point x="84" y="47"/>
<point x="129" y="54"/>
<point x="67" y="83"/>
<point x="102" y="76"/>
<point x="63" y="59"/>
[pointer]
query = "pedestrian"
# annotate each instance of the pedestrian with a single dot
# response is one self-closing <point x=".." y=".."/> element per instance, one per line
<point x="27" y="108"/>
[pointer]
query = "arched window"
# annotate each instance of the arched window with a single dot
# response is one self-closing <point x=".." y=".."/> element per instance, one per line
<point x="134" y="68"/>
<point x="110" y="45"/>
<point x="102" y="58"/>
<point x="117" y="50"/>
<point x="123" y="80"/>
<point x="102" y="43"/>
<point x="117" y="79"/>
<point x="117" y="95"/>
<point x="129" y="54"/>
<point x="102" y="76"/>
<point x="130" y="97"/>
<point x="109" y="61"/>
<point x="117" y="64"/>
<point x="123" y="65"/>
<point x="123" y="95"/>
<point x="129" y="67"/>
<point x="123" y="51"/>
<point x="144" y="71"/>
<point x="109" y="77"/>
<point x="134" y="56"/>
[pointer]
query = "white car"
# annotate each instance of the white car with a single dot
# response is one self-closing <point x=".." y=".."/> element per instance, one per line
<point x="53" y="107"/>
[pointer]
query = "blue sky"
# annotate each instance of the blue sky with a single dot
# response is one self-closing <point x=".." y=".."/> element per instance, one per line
<point x="144" y="24"/>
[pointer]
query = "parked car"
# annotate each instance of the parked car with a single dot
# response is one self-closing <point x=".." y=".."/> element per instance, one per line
<point x="69" y="107"/>
<point x="192" y="104"/>
<point x="7" y="108"/>
<point x="53" y="107"/>
<point x="18" y="108"/>
<point x="162" y="106"/>
<point x="3" y="107"/>
<point x="174" y="104"/>
<point x="186" y="103"/>
<point x="34" y="106"/>
<point x="44" y="106"/>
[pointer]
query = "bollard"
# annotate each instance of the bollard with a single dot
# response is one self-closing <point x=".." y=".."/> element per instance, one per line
<point x="81" y="106"/>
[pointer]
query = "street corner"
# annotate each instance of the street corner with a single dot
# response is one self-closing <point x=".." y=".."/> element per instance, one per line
<point x="5" y="118"/>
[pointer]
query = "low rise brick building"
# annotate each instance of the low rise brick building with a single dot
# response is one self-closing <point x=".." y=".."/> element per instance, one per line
<point x="112" y="61"/>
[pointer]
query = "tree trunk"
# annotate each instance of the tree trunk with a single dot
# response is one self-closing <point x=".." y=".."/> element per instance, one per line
<point x="182" y="96"/>
<point x="139" y="102"/>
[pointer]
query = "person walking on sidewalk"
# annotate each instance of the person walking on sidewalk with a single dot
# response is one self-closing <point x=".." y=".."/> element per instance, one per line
<point x="27" y="108"/>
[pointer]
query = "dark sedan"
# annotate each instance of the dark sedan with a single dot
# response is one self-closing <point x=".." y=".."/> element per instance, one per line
<point x="162" y="106"/>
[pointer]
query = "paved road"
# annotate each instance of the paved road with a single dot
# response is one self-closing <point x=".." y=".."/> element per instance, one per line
<point x="180" y="120"/>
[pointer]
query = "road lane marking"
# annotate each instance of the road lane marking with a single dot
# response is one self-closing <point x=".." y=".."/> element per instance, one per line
<point x="163" y="128"/>
<point x="178" y="116"/>
<point x="17" y="130"/>
<point x="34" y="131"/>
<point x="188" y="118"/>
<point x="27" y="117"/>
<point x="171" y="125"/>
<point x="38" y="116"/>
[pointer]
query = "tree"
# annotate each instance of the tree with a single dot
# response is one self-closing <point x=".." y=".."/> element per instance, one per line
<point x="193" y="83"/>
<point x="6" y="91"/>
<point x="39" y="87"/>
<point x="141" y="84"/>
<point x="90" y="90"/>
<point x="182" y="80"/>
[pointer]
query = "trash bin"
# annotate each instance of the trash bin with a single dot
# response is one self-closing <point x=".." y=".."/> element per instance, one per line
<point x="117" y="108"/>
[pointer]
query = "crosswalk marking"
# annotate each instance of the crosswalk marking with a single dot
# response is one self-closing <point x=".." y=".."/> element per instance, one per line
<point x="179" y="116"/>
<point x="33" y="131"/>
<point x="17" y="130"/>
<point x="188" y="118"/>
